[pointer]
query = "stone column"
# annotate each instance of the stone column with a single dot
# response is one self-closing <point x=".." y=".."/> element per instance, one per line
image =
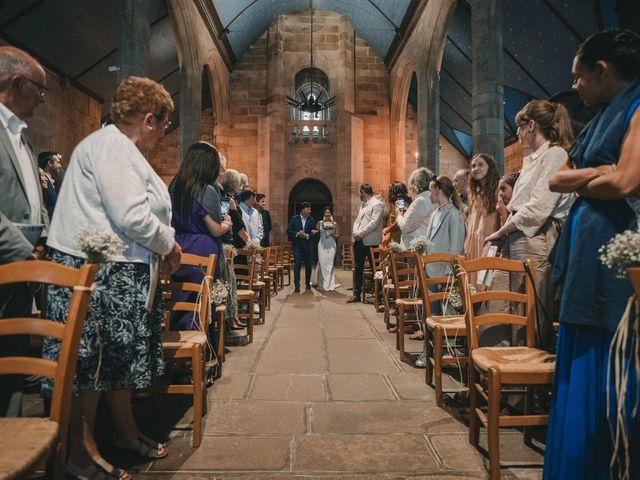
<point x="133" y="49"/>
<point x="487" y="110"/>
<point x="190" y="106"/>
<point x="429" y="120"/>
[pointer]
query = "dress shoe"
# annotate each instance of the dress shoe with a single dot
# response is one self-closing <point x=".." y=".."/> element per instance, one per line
<point x="296" y="290"/>
<point x="307" y="287"/>
<point x="353" y="299"/>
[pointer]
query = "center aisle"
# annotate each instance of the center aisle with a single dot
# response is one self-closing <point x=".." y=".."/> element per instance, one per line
<point x="321" y="394"/>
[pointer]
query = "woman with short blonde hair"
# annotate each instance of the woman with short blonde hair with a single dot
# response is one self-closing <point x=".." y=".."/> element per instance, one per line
<point x="414" y="221"/>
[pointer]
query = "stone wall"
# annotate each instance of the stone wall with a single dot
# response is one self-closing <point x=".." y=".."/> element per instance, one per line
<point x="512" y="158"/>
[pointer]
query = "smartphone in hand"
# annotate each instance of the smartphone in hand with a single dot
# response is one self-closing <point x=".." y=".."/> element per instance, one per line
<point x="225" y="202"/>
<point x="402" y="206"/>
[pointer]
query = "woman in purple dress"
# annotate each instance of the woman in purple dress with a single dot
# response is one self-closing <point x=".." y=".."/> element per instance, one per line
<point x="197" y="219"/>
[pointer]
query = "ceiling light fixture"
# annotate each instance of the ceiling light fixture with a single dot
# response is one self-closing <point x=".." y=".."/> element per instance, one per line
<point x="311" y="104"/>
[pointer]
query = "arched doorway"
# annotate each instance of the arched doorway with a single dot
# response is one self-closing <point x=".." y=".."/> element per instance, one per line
<point x="316" y="193"/>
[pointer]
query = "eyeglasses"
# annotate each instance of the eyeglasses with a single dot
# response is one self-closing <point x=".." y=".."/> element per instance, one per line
<point x="42" y="90"/>
<point x="165" y="123"/>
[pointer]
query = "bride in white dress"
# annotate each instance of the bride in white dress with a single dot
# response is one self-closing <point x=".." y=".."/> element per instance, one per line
<point x="327" y="251"/>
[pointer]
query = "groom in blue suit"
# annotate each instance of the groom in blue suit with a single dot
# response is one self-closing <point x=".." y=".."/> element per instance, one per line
<point x="301" y="228"/>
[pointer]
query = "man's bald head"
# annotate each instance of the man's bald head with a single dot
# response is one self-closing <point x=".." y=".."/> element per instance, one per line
<point x="22" y="81"/>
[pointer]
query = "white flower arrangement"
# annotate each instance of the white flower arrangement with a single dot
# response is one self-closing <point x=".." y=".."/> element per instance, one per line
<point x="454" y="297"/>
<point x="219" y="292"/>
<point x="100" y="247"/>
<point x="252" y="246"/>
<point x="421" y="245"/>
<point x="229" y="251"/>
<point x="622" y="252"/>
<point x="395" y="247"/>
<point x="327" y="226"/>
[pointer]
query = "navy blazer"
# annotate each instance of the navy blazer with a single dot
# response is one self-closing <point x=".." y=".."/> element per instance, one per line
<point x="295" y="225"/>
<point x="50" y="197"/>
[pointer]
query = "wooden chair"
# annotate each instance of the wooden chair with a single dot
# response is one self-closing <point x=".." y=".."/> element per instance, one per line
<point x="378" y="255"/>
<point x="245" y="293"/>
<point x="287" y="261"/>
<point x="500" y="367"/>
<point x="439" y="329"/>
<point x="347" y="256"/>
<point x="260" y="283"/>
<point x="275" y="257"/>
<point x="188" y="348"/>
<point x="405" y="285"/>
<point x="26" y="442"/>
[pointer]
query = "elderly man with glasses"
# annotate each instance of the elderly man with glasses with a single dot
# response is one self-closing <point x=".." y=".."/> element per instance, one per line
<point x="22" y="88"/>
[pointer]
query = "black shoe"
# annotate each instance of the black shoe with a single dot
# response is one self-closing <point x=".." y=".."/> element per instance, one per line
<point x="296" y="290"/>
<point x="308" y="287"/>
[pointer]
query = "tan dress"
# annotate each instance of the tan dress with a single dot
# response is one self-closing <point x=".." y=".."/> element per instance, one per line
<point x="480" y="225"/>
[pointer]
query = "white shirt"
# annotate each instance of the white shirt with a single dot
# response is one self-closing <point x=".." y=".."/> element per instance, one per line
<point x="415" y="221"/>
<point x="532" y="203"/>
<point x="14" y="128"/>
<point x="304" y="220"/>
<point x="109" y="186"/>
<point x="253" y="222"/>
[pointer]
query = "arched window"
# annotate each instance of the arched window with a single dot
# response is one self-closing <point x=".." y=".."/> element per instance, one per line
<point x="311" y="81"/>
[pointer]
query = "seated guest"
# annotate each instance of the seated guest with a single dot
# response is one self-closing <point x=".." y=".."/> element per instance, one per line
<point x="505" y="191"/>
<point x="250" y="215"/>
<point x="121" y="348"/>
<point x="50" y="163"/>
<point x="413" y="222"/>
<point x="197" y="220"/>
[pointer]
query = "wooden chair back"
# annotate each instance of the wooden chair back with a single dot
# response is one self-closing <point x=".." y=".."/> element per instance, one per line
<point x="634" y="276"/>
<point x="376" y="257"/>
<point x="62" y="371"/>
<point x="425" y="282"/>
<point x="276" y="256"/>
<point x="208" y="265"/>
<point x="474" y="318"/>
<point x="403" y="270"/>
<point x="245" y="271"/>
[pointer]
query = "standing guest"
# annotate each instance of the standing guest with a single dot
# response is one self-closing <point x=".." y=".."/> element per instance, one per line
<point x="391" y="232"/>
<point x="482" y="219"/>
<point x="244" y="185"/>
<point x="604" y="169"/>
<point x="250" y="216"/>
<point x="22" y="89"/>
<point x="121" y="348"/>
<point x="261" y="206"/>
<point x="329" y="233"/>
<point x="505" y="192"/>
<point x="300" y="230"/>
<point x="414" y="221"/>
<point x="197" y="221"/>
<point x="50" y="163"/>
<point x="367" y="233"/>
<point x="461" y="183"/>
<point x="536" y="213"/>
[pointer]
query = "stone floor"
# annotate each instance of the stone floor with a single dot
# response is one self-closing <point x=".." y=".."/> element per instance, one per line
<point x="321" y="393"/>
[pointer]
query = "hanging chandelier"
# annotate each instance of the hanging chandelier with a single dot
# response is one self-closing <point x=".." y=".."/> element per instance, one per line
<point x="310" y="103"/>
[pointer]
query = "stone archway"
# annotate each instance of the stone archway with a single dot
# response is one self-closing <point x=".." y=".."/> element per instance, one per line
<point x="313" y="191"/>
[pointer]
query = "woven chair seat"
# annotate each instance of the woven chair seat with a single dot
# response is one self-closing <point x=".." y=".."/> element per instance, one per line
<point x="183" y="338"/>
<point x="409" y="302"/>
<point x="452" y="321"/>
<point x="24" y="443"/>
<point x="514" y="359"/>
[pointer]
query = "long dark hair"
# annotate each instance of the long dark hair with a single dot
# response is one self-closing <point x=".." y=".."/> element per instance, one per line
<point x="445" y="184"/>
<point x="397" y="190"/>
<point x="617" y="46"/>
<point x="486" y="193"/>
<point x="199" y="168"/>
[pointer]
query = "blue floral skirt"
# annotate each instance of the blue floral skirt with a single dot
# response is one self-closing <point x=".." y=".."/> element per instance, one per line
<point x="121" y="345"/>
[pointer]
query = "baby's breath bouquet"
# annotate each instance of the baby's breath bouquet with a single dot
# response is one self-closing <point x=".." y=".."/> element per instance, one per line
<point x="229" y="251"/>
<point x="252" y="245"/>
<point x="455" y="296"/>
<point x="100" y="247"/>
<point x="219" y="292"/>
<point x="396" y="247"/>
<point x="622" y="252"/>
<point x="421" y="245"/>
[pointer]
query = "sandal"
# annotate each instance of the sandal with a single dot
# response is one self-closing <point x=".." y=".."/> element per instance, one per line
<point x="143" y="446"/>
<point x="419" y="335"/>
<point x="393" y="330"/>
<point x="99" y="470"/>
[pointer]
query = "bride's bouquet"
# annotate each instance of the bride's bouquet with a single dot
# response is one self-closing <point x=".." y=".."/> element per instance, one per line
<point x="329" y="226"/>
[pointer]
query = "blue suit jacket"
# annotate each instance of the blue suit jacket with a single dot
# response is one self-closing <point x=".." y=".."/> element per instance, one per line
<point x="50" y="197"/>
<point x="295" y="225"/>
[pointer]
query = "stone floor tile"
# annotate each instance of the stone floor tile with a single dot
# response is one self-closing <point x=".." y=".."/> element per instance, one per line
<point x="362" y="453"/>
<point x="340" y="327"/>
<point x="513" y="451"/>
<point x="230" y="387"/>
<point x="359" y="387"/>
<point x="411" y="387"/>
<point x="255" y="418"/>
<point x="456" y="452"/>
<point x="229" y="453"/>
<point x="289" y="387"/>
<point x="358" y="356"/>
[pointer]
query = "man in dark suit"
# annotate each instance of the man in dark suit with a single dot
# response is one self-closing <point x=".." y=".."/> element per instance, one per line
<point x="50" y="163"/>
<point x="22" y="89"/>
<point x="261" y="203"/>
<point x="301" y="228"/>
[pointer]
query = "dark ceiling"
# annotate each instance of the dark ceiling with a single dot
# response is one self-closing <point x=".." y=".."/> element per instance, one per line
<point x="79" y="41"/>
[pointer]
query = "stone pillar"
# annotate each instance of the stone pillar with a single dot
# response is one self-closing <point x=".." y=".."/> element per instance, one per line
<point x="133" y="49"/>
<point x="429" y="121"/>
<point x="190" y="105"/>
<point x="487" y="110"/>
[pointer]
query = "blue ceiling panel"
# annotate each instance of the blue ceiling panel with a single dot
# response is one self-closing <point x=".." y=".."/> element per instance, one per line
<point x="514" y="100"/>
<point x="456" y="65"/>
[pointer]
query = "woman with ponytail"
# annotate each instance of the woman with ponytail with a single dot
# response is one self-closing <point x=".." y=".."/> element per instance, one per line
<point x="536" y="213"/>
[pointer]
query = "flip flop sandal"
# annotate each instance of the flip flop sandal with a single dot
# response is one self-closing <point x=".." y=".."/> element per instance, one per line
<point x="417" y="336"/>
<point x="143" y="446"/>
<point x="99" y="470"/>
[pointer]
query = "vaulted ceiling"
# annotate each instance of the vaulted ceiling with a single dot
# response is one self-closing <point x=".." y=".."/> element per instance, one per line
<point x="79" y="41"/>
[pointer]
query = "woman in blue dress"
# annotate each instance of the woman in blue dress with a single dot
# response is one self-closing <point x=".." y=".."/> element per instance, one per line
<point x="603" y="169"/>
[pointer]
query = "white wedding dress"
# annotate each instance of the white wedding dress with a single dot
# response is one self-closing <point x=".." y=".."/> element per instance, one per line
<point x="326" y="255"/>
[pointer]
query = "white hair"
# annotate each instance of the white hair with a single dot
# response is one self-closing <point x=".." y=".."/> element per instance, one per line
<point x="419" y="180"/>
<point x="13" y="62"/>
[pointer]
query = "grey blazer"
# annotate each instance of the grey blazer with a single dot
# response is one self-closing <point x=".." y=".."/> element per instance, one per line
<point x="447" y="236"/>
<point x="14" y="204"/>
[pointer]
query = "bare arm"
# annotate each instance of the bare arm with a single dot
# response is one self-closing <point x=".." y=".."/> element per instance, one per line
<point x="623" y="180"/>
<point x="217" y="229"/>
<point x="568" y="179"/>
